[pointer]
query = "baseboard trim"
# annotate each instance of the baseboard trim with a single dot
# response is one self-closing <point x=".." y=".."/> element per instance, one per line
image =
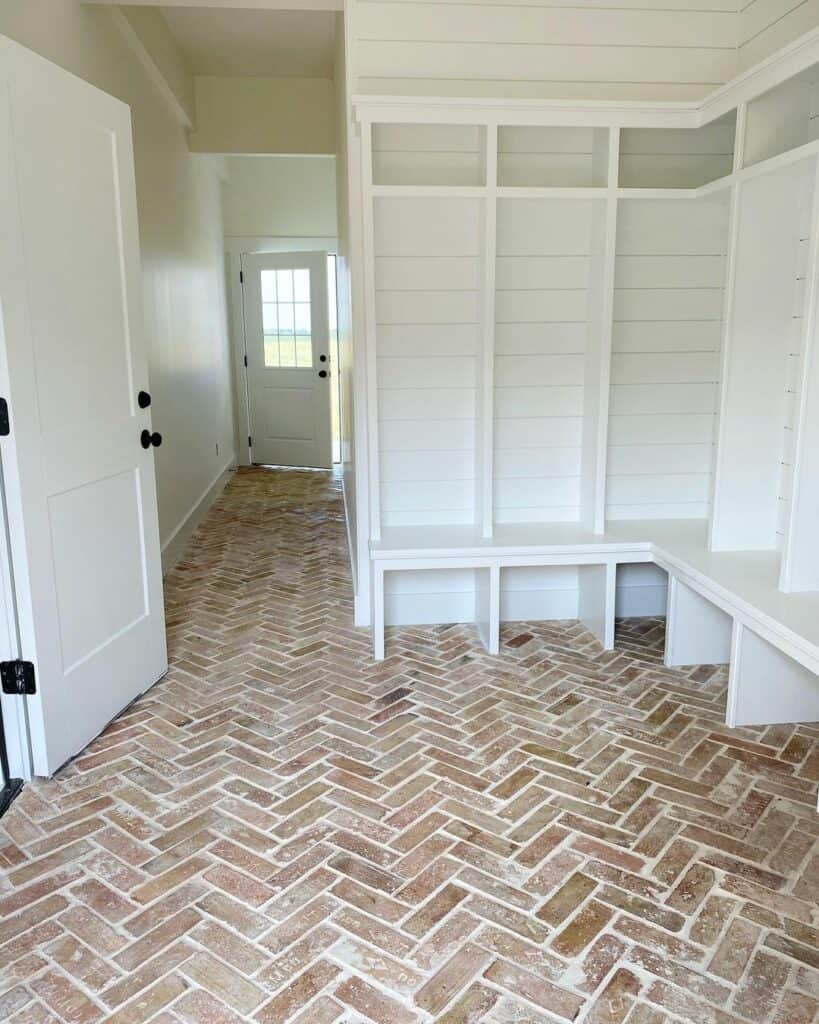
<point x="174" y="546"/>
<point x="353" y="572"/>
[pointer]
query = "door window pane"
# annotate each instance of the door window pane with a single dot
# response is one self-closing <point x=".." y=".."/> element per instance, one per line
<point x="268" y="286"/>
<point x="284" y="282"/>
<point x="286" y="320"/>
<point x="301" y="285"/>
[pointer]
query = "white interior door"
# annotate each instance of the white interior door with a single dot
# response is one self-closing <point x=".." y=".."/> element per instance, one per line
<point x="287" y="340"/>
<point x="80" y="487"/>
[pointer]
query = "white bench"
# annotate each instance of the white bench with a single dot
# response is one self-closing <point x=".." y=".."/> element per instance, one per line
<point x="723" y="608"/>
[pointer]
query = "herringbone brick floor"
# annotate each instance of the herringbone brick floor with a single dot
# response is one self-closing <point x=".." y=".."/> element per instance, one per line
<point x="282" y="830"/>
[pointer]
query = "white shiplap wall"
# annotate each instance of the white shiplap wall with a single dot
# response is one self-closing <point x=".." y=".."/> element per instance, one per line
<point x="427" y="258"/>
<point x="665" y="357"/>
<point x="614" y="49"/>
<point x="541" y="312"/>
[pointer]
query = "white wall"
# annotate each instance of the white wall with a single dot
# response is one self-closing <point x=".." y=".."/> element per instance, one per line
<point x="659" y="49"/>
<point x="277" y="196"/>
<point x="767" y="25"/>
<point x="264" y="115"/>
<point x="182" y="251"/>
<point x="345" y="158"/>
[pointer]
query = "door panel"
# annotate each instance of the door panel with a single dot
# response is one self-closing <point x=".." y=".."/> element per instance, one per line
<point x="288" y="358"/>
<point x="80" y="489"/>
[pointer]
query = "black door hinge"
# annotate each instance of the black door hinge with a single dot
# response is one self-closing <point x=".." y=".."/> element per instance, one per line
<point x="249" y="441"/>
<point x="245" y="360"/>
<point x="17" y="677"/>
<point x="5" y="426"/>
<point x="241" y="277"/>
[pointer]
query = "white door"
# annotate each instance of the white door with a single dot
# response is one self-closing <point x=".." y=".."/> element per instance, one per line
<point x="80" y="488"/>
<point x="287" y="339"/>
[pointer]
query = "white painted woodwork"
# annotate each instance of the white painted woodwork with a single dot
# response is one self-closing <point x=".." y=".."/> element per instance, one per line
<point x="541" y="331"/>
<point x="754" y="399"/>
<point x="427" y="325"/>
<point x="430" y="154"/>
<point x="487" y="606"/>
<point x="668" y="299"/>
<point x="783" y="118"/>
<point x="676" y="157"/>
<point x="765" y="686"/>
<point x="288" y="406"/>
<point x="640" y="288"/>
<point x="596" y="600"/>
<point x="546" y="156"/>
<point x="697" y="631"/>
<point x="79" y="488"/>
<point x="641" y="590"/>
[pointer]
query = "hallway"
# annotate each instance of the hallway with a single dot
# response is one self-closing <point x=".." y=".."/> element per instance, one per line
<point x="282" y="830"/>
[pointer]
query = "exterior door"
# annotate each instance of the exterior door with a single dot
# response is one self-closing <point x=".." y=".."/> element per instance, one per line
<point x="287" y="342"/>
<point x="79" y="485"/>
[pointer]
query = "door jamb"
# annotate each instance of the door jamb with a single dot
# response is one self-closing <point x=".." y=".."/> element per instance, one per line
<point x="235" y="247"/>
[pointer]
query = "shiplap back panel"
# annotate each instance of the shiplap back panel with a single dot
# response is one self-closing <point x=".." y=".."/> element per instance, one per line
<point x="783" y="118"/>
<point x="548" y="156"/>
<point x="432" y="154"/>
<point x="668" y="300"/>
<point x="632" y="49"/>
<point x="541" y="314"/>
<point x="427" y="268"/>
<point x="676" y="158"/>
<point x="767" y="25"/>
<point x="427" y="596"/>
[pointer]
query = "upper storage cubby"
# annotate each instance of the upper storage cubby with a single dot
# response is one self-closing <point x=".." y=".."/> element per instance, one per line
<point x="677" y="157"/>
<point x="783" y="118"/>
<point x="428" y="154"/>
<point x="552" y="157"/>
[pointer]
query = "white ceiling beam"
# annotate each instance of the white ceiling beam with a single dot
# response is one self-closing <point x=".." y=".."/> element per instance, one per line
<point x="258" y="5"/>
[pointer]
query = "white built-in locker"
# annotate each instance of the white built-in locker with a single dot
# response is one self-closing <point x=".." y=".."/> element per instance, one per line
<point x="591" y="325"/>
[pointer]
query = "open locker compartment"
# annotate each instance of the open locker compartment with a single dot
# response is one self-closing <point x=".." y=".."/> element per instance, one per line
<point x="665" y="363"/>
<point x="546" y="271"/>
<point x="677" y="157"/>
<point x="428" y="154"/>
<point x="783" y="118"/>
<point x="428" y="267"/>
<point x="538" y="156"/>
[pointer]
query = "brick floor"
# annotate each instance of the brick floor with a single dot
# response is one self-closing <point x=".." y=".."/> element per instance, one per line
<point x="282" y="830"/>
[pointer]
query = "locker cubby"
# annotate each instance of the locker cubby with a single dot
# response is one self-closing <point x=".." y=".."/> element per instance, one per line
<point x="552" y="157"/>
<point x="665" y="362"/>
<point x="428" y="154"/>
<point x="677" y="157"/>
<point x="428" y="266"/>
<point x="783" y="118"/>
<point x="544" y="272"/>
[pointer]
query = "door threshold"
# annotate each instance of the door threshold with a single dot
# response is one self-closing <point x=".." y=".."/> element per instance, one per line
<point x="9" y="793"/>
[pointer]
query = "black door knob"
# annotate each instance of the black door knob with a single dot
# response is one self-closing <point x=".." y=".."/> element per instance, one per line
<point x="322" y="373"/>
<point x="322" y="359"/>
<point x="146" y="439"/>
<point x="143" y="399"/>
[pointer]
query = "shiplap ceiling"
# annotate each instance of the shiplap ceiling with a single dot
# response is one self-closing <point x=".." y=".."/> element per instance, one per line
<point x="280" y="44"/>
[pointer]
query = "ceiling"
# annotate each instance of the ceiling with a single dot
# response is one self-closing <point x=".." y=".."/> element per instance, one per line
<point x="254" y="43"/>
